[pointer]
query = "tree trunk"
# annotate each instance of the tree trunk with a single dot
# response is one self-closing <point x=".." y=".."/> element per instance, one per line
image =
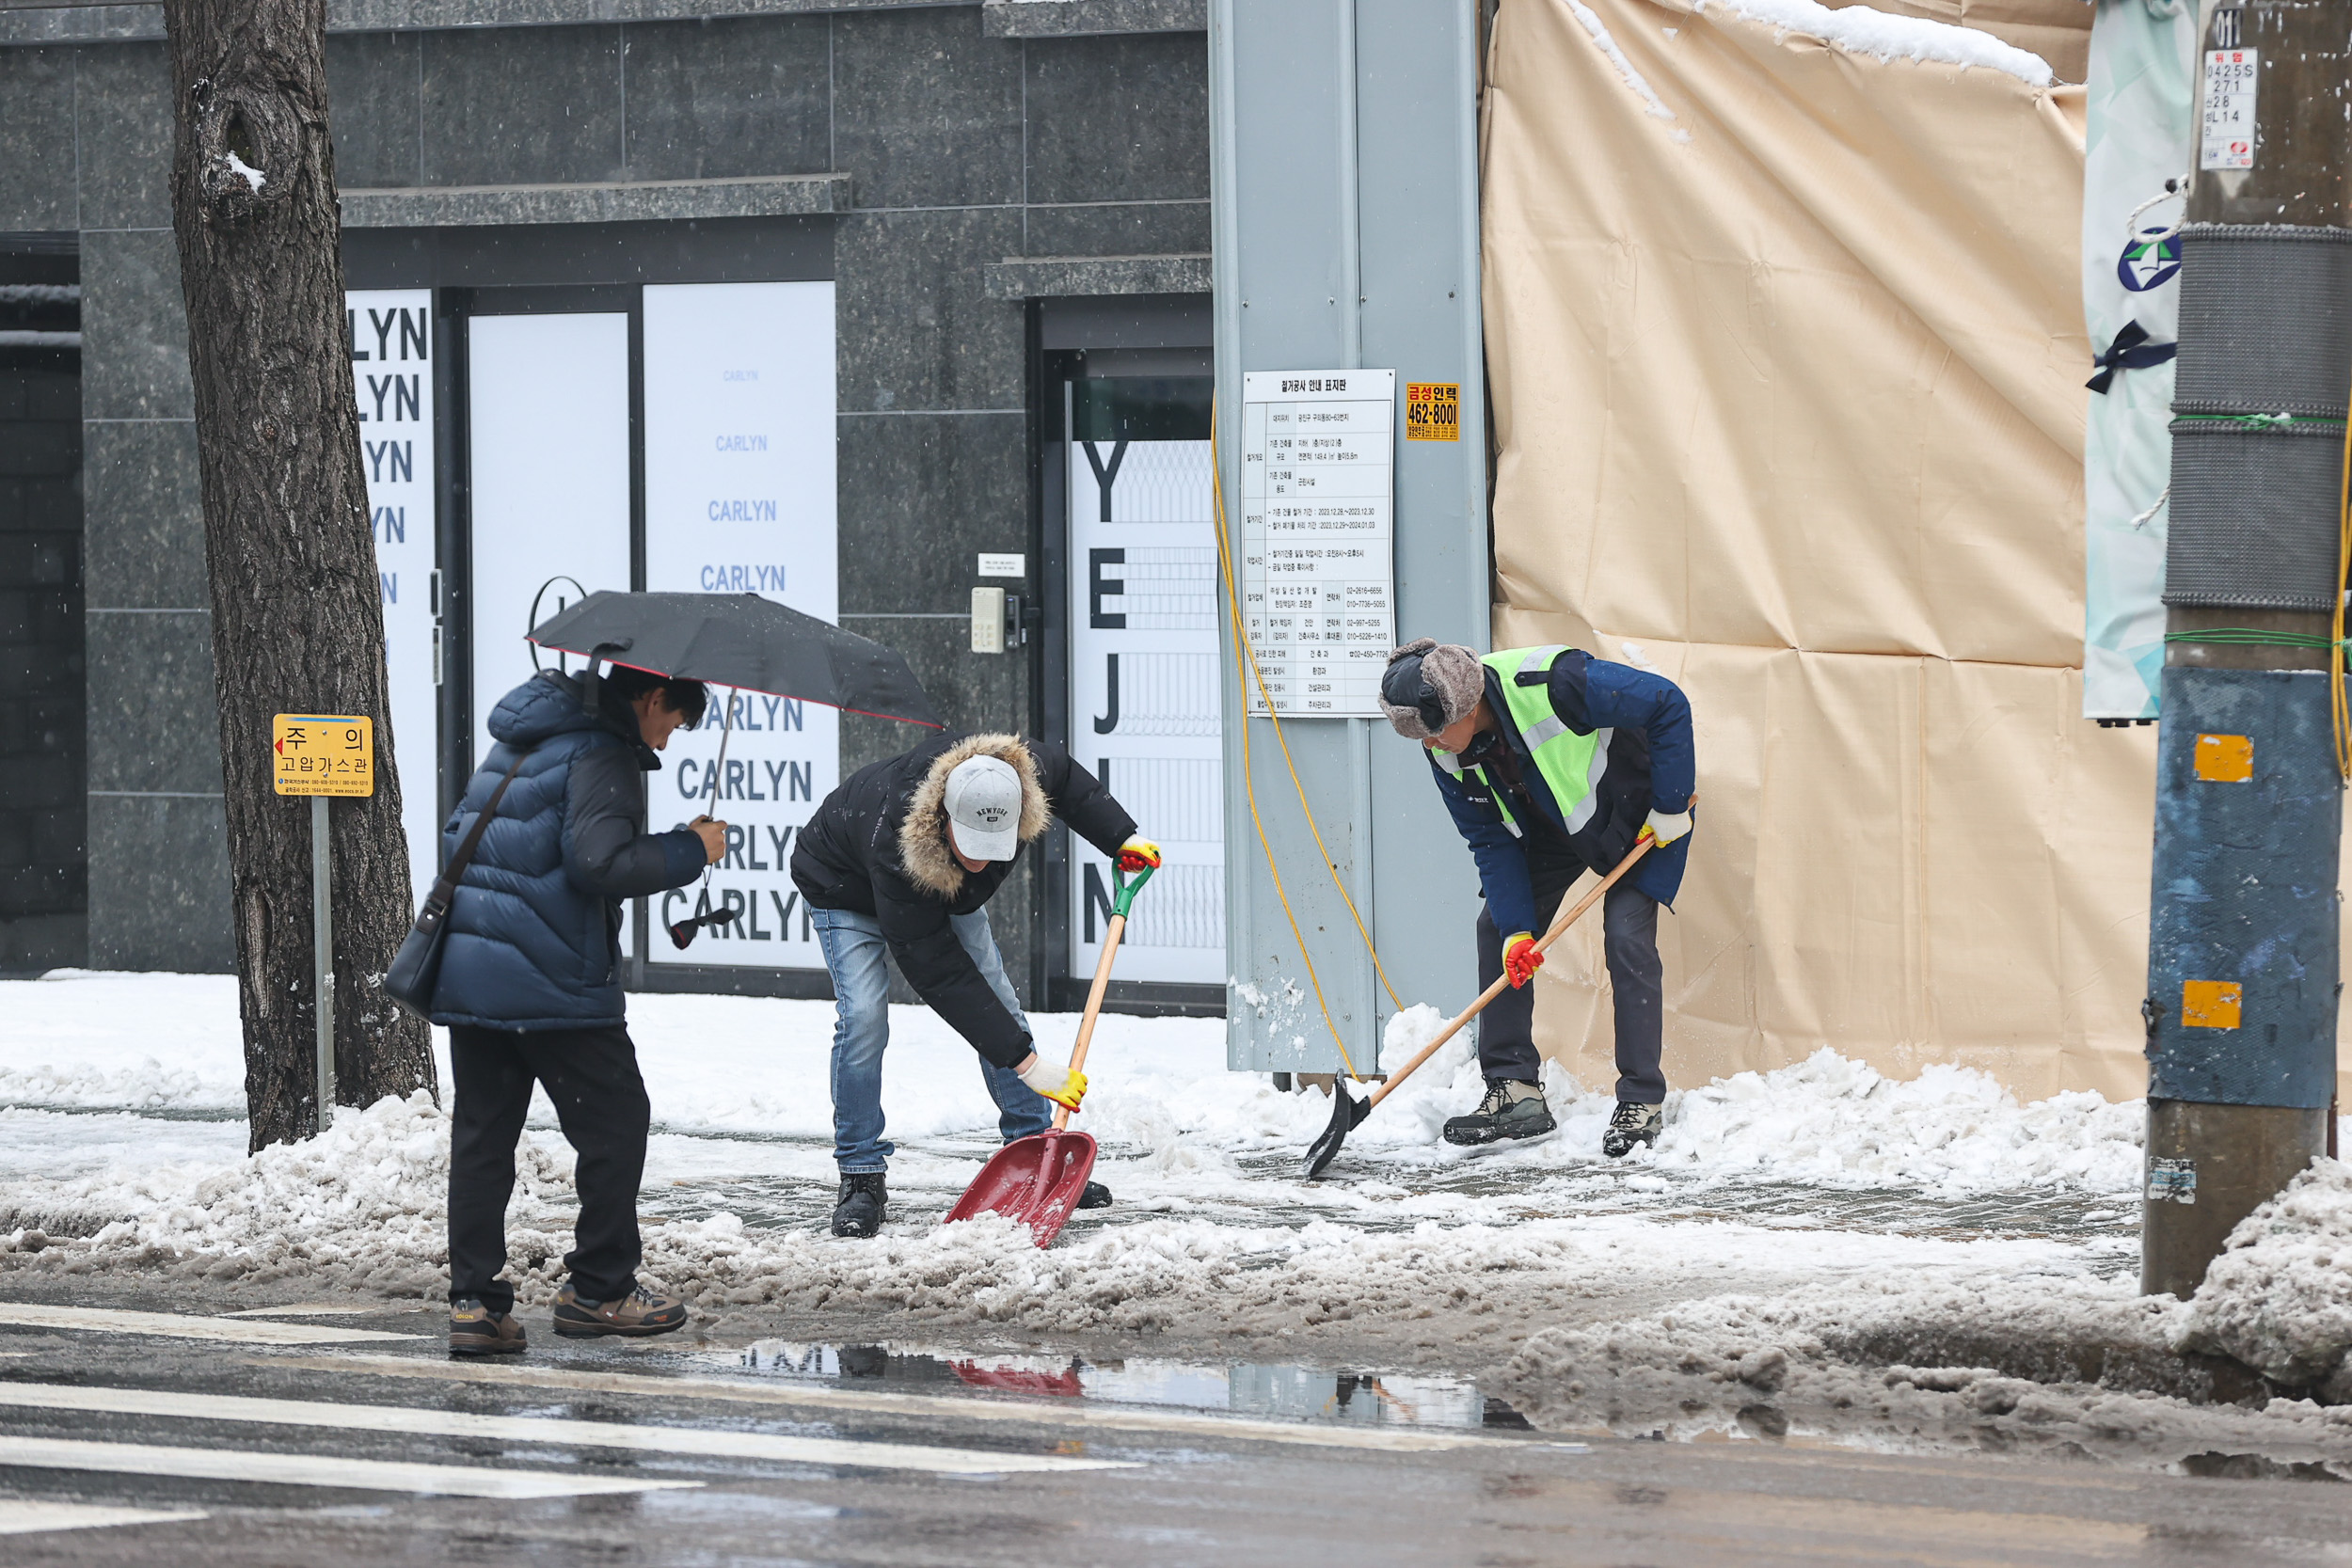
<point x="298" y="624"/>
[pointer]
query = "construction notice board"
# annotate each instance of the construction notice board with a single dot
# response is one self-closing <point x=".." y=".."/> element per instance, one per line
<point x="1318" y="537"/>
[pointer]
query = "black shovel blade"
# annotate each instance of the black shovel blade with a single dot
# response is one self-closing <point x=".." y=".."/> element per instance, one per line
<point x="1347" y="1114"/>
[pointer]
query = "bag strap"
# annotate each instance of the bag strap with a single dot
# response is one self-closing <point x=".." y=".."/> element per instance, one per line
<point x="437" y="903"/>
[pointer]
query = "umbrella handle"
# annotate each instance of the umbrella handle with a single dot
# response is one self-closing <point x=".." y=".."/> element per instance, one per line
<point x="1122" y="901"/>
<point x="726" y="728"/>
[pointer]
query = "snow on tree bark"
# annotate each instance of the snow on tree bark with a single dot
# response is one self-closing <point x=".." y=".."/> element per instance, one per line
<point x="298" y="620"/>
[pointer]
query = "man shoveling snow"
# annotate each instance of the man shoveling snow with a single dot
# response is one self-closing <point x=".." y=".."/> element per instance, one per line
<point x="1551" y="763"/>
<point x="904" y="856"/>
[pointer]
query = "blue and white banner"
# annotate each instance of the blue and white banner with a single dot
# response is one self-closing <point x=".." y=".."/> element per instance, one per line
<point x="2141" y="130"/>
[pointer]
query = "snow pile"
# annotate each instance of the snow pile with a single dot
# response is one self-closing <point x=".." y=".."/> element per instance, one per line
<point x="2280" y="1296"/>
<point x="2078" y="1363"/>
<point x="366" y="1206"/>
<point x="1835" y="1122"/>
<point x="1860" y="30"/>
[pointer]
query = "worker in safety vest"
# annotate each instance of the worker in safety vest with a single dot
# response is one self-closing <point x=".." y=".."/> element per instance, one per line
<point x="1552" y="762"/>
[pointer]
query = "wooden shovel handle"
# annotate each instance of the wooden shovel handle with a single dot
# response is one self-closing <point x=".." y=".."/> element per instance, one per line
<point x="1094" y="1006"/>
<point x="1642" y="845"/>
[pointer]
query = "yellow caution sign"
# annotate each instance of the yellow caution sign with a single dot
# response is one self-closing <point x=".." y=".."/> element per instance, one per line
<point x="2211" y="1003"/>
<point x="1432" y="411"/>
<point x="324" y="754"/>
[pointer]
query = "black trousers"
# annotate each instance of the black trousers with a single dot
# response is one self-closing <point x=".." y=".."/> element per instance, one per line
<point x="1507" y="1030"/>
<point x="591" y="1075"/>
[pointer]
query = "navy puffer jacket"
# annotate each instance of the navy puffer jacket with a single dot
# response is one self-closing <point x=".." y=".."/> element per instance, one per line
<point x="533" y="932"/>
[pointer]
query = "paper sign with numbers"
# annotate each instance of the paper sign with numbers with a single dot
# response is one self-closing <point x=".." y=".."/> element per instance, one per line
<point x="323" y="753"/>
<point x="2227" y="132"/>
<point x="1318" y="537"/>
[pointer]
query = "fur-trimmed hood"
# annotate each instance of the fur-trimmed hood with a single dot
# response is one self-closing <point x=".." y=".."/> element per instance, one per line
<point x="924" y="854"/>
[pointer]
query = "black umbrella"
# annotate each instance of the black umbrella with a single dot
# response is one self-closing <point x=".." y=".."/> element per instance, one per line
<point x="743" y="641"/>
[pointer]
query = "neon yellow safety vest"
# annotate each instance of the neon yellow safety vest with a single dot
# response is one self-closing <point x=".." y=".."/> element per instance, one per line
<point x="1573" y="764"/>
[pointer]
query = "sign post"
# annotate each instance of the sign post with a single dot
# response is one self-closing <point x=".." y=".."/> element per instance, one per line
<point x="323" y="756"/>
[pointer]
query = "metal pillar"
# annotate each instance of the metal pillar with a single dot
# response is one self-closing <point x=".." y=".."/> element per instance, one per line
<point x="322" y="957"/>
<point x="1344" y="214"/>
<point x="2242" y="963"/>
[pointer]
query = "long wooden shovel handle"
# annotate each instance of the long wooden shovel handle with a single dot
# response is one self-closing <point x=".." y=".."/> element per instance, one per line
<point x="1111" y="935"/>
<point x="1094" y="1005"/>
<point x="1642" y="845"/>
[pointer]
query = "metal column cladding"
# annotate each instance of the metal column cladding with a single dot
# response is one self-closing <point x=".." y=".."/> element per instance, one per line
<point x="1343" y="183"/>
<point x="2258" y="416"/>
<point x="2242" y="940"/>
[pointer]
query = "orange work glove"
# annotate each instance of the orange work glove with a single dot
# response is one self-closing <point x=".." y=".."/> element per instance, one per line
<point x="1138" y="854"/>
<point x="1521" y="958"/>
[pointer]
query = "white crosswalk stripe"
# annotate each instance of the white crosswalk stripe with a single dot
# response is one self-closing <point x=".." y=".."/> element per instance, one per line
<point x="28" y="1517"/>
<point x="781" y="1446"/>
<point x="303" y="1469"/>
<point x="244" y="1331"/>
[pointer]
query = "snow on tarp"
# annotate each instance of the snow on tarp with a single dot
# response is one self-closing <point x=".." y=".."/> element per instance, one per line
<point x="1883" y="36"/>
<point x="2280" y="1296"/>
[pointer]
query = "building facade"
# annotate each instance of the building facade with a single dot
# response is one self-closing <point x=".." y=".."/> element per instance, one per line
<point x="857" y="306"/>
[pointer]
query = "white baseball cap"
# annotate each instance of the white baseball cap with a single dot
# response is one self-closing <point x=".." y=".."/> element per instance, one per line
<point x="984" y="808"/>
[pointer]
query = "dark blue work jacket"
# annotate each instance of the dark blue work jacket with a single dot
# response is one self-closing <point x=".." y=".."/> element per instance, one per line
<point x="1652" y="765"/>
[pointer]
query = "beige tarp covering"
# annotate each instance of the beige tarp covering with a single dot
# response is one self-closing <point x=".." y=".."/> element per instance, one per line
<point x="1788" y="388"/>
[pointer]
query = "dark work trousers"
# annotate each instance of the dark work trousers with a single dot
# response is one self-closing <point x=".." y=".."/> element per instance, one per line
<point x="591" y="1076"/>
<point x="1507" y="1030"/>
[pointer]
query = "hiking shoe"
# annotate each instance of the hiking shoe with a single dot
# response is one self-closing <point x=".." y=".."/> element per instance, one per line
<point x="1095" y="1196"/>
<point x="1510" y="1110"/>
<point x="1632" y="1124"/>
<point x="475" y="1330"/>
<point x="639" y="1312"/>
<point x="864" y="1204"/>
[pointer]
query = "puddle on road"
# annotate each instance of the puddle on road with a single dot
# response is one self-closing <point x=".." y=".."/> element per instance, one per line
<point x="1267" y="1391"/>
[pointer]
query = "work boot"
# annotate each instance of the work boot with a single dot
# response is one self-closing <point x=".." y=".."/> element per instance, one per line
<point x="637" y="1314"/>
<point x="1095" y="1196"/>
<point x="1632" y="1124"/>
<point x="1510" y="1110"/>
<point x="475" y="1330"/>
<point x="863" y="1205"/>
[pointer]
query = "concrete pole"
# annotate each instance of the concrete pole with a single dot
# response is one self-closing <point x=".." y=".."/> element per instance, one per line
<point x="2242" y="994"/>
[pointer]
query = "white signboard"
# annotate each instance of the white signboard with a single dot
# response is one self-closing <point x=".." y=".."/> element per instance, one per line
<point x="1143" y="699"/>
<point x="739" y="415"/>
<point x="2227" y="135"/>
<point x="1318" y="537"/>
<point x="392" y="365"/>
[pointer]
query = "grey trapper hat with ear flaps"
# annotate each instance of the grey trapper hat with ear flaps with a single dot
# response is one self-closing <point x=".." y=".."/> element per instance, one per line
<point x="1430" y="685"/>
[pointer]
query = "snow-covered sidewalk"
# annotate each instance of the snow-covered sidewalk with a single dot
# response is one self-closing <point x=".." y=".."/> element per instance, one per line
<point x="1776" y="1207"/>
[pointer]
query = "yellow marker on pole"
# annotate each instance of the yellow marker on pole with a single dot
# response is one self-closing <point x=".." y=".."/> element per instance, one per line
<point x="323" y="756"/>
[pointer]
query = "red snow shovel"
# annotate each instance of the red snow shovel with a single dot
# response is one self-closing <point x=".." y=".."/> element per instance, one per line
<point x="1347" y="1111"/>
<point x="1039" y="1179"/>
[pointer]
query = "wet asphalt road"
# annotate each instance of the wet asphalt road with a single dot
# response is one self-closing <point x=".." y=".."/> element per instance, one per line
<point x="287" y="1440"/>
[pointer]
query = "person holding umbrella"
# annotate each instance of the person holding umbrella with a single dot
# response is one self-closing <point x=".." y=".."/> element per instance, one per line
<point x="530" y="986"/>
<point x="1553" y="763"/>
<point x="903" y="856"/>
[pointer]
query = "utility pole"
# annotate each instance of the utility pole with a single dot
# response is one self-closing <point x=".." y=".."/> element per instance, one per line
<point x="2242" y="954"/>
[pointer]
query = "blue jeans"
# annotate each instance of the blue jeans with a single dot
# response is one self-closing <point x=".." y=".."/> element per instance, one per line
<point x="854" y="948"/>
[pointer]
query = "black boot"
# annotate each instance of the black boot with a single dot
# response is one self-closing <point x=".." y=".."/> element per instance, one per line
<point x="863" y="1204"/>
<point x="1632" y="1124"/>
<point x="1510" y="1110"/>
<point x="1095" y="1196"/>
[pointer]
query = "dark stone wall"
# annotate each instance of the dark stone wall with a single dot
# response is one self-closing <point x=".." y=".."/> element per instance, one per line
<point x="964" y="149"/>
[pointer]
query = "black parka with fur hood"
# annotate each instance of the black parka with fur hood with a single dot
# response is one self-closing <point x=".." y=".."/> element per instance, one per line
<point x="877" y="845"/>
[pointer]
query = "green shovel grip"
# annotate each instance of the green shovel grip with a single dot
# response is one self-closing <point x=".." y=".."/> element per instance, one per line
<point x="1124" y="892"/>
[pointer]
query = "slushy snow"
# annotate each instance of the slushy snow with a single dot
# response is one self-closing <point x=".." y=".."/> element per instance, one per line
<point x="2280" y="1296"/>
<point x="1883" y="36"/>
